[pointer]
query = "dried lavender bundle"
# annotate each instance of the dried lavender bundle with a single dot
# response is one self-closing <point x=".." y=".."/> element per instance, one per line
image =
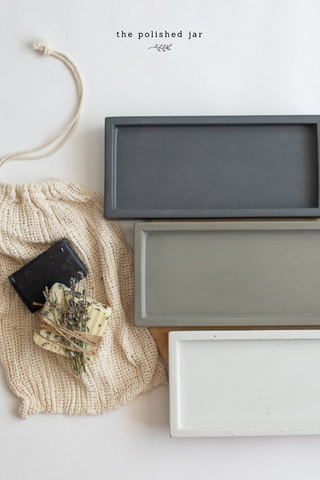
<point x="72" y="324"/>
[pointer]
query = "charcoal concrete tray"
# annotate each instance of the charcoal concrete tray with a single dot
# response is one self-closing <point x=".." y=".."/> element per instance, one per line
<point x="244" y="383"/>
<point x="212" y="167"/>
<point x="227" y="273"/>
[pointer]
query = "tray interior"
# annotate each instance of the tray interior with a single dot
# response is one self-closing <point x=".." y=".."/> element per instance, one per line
<point x="220" y="166"/>
<point x="225" y="274"/>
<point x="244" y="383"/>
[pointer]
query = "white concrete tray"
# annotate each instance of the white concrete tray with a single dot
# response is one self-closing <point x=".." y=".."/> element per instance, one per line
<point x="244" y="383"/>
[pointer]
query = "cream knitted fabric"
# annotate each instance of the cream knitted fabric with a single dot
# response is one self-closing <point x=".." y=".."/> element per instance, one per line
<point x="32" y="218"/>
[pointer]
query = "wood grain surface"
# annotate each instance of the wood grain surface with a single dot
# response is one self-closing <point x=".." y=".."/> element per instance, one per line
<point x="160" y="334"/>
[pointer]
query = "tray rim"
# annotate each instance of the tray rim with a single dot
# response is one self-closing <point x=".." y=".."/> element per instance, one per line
<point x="141" y="229"/>
<point x="111" y="211"/>
<point x="231" y="335"/>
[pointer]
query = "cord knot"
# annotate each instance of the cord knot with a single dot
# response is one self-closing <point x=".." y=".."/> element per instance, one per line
<point x="41" y="45"/>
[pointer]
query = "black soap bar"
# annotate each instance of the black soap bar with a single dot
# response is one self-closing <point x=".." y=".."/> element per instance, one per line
<point x="57" y="264"/>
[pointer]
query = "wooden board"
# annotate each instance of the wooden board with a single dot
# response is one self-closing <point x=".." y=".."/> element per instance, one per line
<point x="160" y="334"/>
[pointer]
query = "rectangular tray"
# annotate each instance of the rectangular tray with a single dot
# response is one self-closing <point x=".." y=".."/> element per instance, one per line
<point x="212" y="167"/>
<point x="227" y="273"/>
<point x="244" y="383"/>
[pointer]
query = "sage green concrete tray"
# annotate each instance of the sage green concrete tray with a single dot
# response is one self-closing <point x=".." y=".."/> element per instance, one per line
<point x="227" y="273"/>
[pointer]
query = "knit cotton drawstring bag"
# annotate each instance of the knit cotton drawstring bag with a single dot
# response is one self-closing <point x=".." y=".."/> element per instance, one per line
<point x="33" y="217"/>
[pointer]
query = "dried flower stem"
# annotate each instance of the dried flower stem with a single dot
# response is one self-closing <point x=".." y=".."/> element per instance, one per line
<point x="69" y="320"/>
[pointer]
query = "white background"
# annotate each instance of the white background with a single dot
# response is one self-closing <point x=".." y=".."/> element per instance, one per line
<point x="254" y="57"/>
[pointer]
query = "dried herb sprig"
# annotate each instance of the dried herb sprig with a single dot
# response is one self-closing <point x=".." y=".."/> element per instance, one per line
<point x="71" y="314"/>
<point x="162" y="47"/>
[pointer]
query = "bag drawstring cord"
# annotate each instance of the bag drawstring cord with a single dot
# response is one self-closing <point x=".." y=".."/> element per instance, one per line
<point x="41" y="46"/>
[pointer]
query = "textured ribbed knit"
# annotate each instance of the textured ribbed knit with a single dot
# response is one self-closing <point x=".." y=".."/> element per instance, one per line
<point x="32" y="218"/>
